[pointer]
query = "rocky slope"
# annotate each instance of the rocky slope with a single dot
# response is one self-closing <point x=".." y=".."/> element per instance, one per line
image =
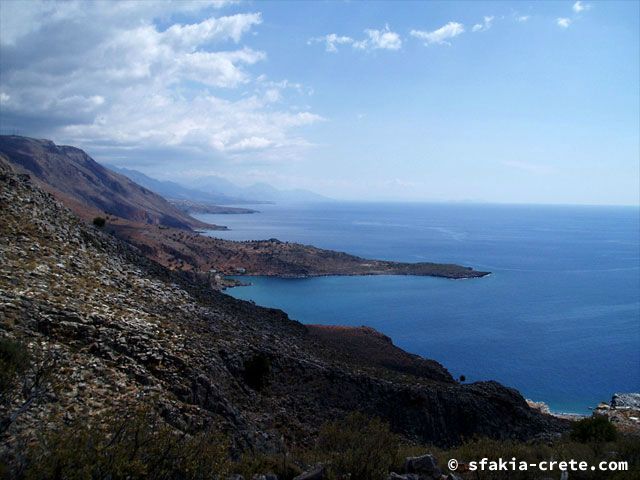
<point x="85" y="185"/>
<point x="117" y="328"/>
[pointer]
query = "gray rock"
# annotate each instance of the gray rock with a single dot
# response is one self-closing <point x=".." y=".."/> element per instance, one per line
<point x="317" y="473"/>
<point x="453" y="476"/>
<point x="626" y="400"/>
<point x="424" y="464"/>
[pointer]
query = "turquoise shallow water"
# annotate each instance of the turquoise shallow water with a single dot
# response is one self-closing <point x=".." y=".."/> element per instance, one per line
<point x="559" y="318"/>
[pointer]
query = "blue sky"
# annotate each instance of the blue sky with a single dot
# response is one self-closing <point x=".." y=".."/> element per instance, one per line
<point x="534" y="102"/>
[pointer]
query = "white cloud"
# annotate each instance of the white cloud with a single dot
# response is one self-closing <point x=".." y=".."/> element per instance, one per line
<point x="105" y="76"/>
<point x="212" y="29"/>
<point x="523" y="18"/>
<point x="331" y="41"/>
<point x="383" y="39"/>
<point x="580" y="7"/>
<point x="441" y="35"/>
<point x="485" y="25"/>
<point x="563" y="22"/>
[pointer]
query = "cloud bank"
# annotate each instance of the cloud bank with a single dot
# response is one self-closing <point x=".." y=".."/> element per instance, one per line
<point x="125" y="76"/>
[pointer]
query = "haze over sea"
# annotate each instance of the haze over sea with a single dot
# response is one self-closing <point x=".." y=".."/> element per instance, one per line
<point x="558" y="319"/>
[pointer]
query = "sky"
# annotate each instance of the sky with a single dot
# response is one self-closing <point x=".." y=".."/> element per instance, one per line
<point x="508" y="102"/>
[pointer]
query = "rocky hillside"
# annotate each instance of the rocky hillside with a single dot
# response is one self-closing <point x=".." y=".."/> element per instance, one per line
<point x="88" y="187"/>
<point x="114" y="328"/>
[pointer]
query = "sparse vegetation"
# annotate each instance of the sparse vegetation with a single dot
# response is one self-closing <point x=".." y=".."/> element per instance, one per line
<point x="358" y="446"/>
<point x="99" y="222"/>
<point x="136" y="445"/>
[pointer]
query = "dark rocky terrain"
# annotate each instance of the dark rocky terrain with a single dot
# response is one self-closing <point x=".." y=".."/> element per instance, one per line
<point x="117" y="329"/>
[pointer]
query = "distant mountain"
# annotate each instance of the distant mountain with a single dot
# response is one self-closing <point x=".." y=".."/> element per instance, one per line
<point x="217" y="190"/>
<point x="73" y="176"/>
<point x="173" y="190"/>
<point x="261" y="191"/>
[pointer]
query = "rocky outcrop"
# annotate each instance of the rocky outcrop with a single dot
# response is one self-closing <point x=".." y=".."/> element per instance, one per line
<point x="623" y="411"/>
<point x="119" y="329"/>
<point x="625" y="400"/>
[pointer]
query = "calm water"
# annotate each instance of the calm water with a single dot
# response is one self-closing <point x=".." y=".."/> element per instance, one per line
<point x="559" y="319"/>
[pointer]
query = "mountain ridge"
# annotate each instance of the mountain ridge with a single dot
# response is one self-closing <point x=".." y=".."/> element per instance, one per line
<point x="70" y="173"/>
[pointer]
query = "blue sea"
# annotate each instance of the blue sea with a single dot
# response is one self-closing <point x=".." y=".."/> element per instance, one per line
<point x="558" y="319"/>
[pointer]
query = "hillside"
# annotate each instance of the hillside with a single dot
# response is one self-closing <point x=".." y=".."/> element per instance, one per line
<point x="112" y="330"/>
<point x="88" y="187"/>
<point x="162" y="231"/>
<point x="190" y="251"/>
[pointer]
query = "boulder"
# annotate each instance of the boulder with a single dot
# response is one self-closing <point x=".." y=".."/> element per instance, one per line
<point x="424" y="464"/>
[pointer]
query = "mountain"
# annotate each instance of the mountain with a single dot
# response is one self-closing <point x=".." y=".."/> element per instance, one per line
<point x="260" y="191"/>
<point x="98" y="331"/>
<point x="173" y="190"/>
<point x="217" y="190"/>
<point x="72" y="175"/>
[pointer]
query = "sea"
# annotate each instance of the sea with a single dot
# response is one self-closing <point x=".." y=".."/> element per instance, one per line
<point x="558" y="318"/>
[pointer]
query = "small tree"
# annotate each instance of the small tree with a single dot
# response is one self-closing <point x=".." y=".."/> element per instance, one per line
<point x="463" y="378"/>
<point x="595" y="429"/>
<point x="25" y="379"/>
<point x="99" y="222"/>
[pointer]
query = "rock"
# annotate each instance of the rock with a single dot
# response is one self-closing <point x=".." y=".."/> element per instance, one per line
<point x="451" y="476"/>
<point x="317" y="473"/>
<point x="406" y="476"/>
<point x="425" y="464"/>
<point x="626" y="400"/>
<point x="235" y="477"/>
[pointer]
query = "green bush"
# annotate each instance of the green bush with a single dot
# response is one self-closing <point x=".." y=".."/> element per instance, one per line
<point x="14" y="360"/>
<point x="99" y="222"/>
<point x="256" y="371"/>
<point x="358" y="446"/>
<point x="593" y="429"/>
